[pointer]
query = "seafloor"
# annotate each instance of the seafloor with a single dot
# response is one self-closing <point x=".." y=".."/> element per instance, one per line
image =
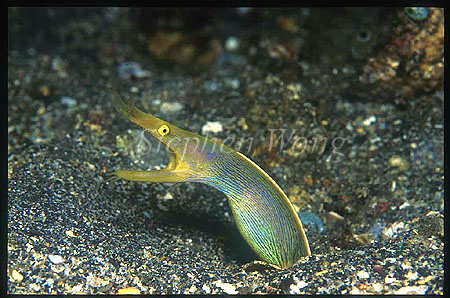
<point x="359" y="92"/>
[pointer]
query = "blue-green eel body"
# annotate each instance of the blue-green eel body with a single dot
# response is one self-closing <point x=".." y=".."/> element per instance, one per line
<point x="262" y="212"/>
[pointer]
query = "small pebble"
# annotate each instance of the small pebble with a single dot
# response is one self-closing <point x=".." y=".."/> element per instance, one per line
<point x="57" y="64"/>
<point x="419" y="290"/>
<point x="168" y="196"/>
<point x="129" y="291"/>
<point x="131" y="69"/>
<point x="376" y="230"/>
<point x="211" y="86"/>
<point x="360" y="130"/>
<point x="404" y="205"/>
<point x="35" y="287"/>
<point x="398" y="162"/>
<point x="301" y="284"/>
<point x="389" y="280"/>
<point x="233" y="83"/>
<point x="294" y="289"/>
<point x="311" y="219"/>
<point x="295" y="89"/>
<point x="417" y="13"/>
<point x="349" y="126"/>
<point x="232" y="43"/>
<point x="206" y="289"/>
<point x="362" y="274"/>
<point x="49" y="282"/>
<point x="335" y="216"/>
<point x="192" y="289"/>
<point x="369" y="121"/>
<point x="244" y="10"/>
<point x="411" y="275"/>
<point x="68" y="101"/>
<point x="377" y="287"/>
<point x="45" y="91"/>
<point x="393" y="186"/>
<point x="16" y="276"/>
<point x="393" y="229"/>
<point x="77" y="289"/>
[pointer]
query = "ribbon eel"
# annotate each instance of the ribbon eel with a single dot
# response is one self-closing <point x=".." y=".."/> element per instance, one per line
<point x="262" y="211"/>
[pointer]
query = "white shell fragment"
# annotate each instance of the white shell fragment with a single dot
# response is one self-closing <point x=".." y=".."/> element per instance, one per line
<point x="228" y="288"/>
<point x="56" y="259"/>
<point x="213" y="127"/>
<point x="171" y="107"/>
<point x="232" y="43"/>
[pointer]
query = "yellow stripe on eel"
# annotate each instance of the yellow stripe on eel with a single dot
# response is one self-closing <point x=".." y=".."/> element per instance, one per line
<point x="262" y="211"/>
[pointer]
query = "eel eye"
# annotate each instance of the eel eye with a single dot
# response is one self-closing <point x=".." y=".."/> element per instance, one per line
<point x="163" y="130"/>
